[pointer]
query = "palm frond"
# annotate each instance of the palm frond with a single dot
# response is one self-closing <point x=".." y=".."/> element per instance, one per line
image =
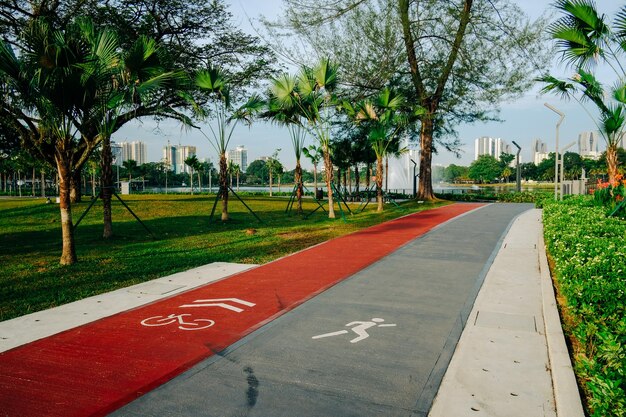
<point x="561" y="88"/>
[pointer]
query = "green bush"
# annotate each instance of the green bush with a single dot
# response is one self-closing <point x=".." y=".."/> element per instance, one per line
<point x="589" y="257"/>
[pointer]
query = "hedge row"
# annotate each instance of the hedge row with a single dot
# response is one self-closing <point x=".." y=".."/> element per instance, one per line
<point x="589" y="265"/>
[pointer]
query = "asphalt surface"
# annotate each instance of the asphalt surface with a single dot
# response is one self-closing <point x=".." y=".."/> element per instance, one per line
<point x="339" y="354"/>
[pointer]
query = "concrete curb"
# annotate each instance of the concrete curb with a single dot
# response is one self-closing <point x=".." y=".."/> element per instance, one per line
<point x="566" y="394"/>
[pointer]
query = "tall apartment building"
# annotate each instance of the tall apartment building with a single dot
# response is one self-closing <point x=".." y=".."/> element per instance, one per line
<point x="174" y="156"/>
<point x="239" y="156"/>
<point x="490" y="146"/>
<point x="539" y="151"/>
<point x="169" y="156"/>
<point x="136" y="150"/>
<point x="589" y="144"/>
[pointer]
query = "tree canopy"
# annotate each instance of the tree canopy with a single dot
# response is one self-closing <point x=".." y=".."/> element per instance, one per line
<point x="456" y="59"/>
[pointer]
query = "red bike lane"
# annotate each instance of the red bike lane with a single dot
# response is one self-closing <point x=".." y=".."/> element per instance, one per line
<point x="97" y="368"/>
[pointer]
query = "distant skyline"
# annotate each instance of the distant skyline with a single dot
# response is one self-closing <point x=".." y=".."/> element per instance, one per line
<point x="525" y="119"/>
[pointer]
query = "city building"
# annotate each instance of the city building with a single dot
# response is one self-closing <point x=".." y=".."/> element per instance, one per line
<point x="589" y="144"/>
<point x="239" y="156"/>
<point x="136" y="150"/>
<point x="539" y="151"/>
<point x="174" y="156"/>
<point x="490" y="146"/>
<point x="169" y="156"/>
<point x="183" y="152"/>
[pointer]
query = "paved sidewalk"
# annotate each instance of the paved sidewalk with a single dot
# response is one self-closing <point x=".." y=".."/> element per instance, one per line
<point x="511" y="360"/>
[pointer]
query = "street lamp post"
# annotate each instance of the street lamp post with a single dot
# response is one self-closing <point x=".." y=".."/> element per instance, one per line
<point x="414" y="179"/>
<point x="518" y="177"/>
<point x="556" y="162"/>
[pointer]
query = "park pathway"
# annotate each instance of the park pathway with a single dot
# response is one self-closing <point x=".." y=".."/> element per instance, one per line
<point x="417" y="301"/>
<point x="376" y="344"/>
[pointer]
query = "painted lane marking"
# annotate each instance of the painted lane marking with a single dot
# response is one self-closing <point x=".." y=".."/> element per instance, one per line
<point x="215" y="303"/>
<point x="195" y="324"/>
<point x="359" y="327"/>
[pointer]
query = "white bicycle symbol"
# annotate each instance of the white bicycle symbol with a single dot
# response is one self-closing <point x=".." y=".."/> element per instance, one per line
<point x="196" y="324"/>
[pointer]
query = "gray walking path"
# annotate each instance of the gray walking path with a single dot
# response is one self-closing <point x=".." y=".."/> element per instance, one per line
<point x="380" y="342"/>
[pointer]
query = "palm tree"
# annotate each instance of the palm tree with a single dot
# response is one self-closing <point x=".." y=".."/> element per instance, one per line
<point x="43" y="96"/>
<point x="273" y="166"/>
<point x="285" y="112"/>
<point x="131" y="167"/>
<point x="214" y="82"/>
<point x="192" y="162"/>
<point x="383" y="120"/>
<point x="584" y="38"/>
<point x="311" y="98"/>
<point x="315" y="155"/>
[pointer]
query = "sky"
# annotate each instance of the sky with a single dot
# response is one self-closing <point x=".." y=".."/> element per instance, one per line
<point x="525" y="119"/>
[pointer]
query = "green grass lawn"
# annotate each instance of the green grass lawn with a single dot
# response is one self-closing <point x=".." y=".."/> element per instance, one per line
<point x="31" y="278"/>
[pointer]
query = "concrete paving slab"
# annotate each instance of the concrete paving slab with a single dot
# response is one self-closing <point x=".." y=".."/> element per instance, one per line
<point x="360" y="367"/>
<point x="31" y="327"/>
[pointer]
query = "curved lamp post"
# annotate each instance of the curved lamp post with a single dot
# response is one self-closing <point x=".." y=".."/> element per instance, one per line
<point x="556" y="161"/>
<point x="518" y="176"/>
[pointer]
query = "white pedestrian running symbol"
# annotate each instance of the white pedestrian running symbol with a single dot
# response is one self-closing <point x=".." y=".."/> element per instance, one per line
<point x="359" y="327"/>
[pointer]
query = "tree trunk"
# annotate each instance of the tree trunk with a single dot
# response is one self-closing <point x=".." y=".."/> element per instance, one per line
<point x="611" y="162"/>
<point x="199" y="181"/>
<point x="314" y="177"/>
<point x="357" y="179"/>
<point x="270" y="172"/>
<point x="379" y="184"/>
<point x="386" y="174"/>
<point x="191" y="180"/>
<point x="350" y="180"/>
<point x="75" y="187"/>
<point x="43" y="183"/>
<point x="425" y="191"/>
<point x="297" y="177"/>
<point x="68" y="254"/>
<point x="328" y="165"/>
<point x="106" y="192"/>
<point x="224" y="186"/>
<point x="33" y="184"/>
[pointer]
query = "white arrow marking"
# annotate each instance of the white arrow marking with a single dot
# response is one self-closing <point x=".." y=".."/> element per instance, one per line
<point x="215" y="303"/>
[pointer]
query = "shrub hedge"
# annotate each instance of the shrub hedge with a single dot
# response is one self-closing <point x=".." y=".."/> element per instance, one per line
<point x="589" y="265"/>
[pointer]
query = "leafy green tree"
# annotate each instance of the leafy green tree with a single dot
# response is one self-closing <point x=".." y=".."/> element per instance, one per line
<point x="528" y="171"/>
<point x="196" y="32"/>
<point x="585" y="38"/>
<point x="456" y="59"/>
<point x="485" y="169"/>
<point x="259" y="170"/>
<point x="455" y="173"/>
<point x="545" y="169"/>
